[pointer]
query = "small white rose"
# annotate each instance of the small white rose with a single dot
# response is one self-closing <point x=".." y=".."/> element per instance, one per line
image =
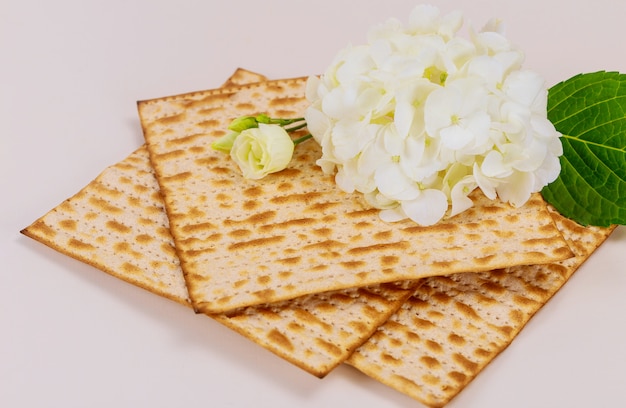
<point x="261" y="151"/>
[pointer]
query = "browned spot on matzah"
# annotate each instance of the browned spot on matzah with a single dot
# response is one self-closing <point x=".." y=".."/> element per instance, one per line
<point x="260" y="242"/>
<point x="264" y="295"/>
<point x="104" y="206"/>
<point x="140" y="189"/>
<point x="443" y="265"/>
<point x="174" y="154"/>
<point x="144" y="238"/>
<point x="131" y="269"/>
<point x="328" y="347"/>
<point x="167" y="248"/>
<point x="208" y="123"/>
<point x="281" y="102"/>
<point x="179" y="177"/>
<point x="311" y="319"/>
<point x="466" y="310"/>
<point x="259" y="218"/>
<point x="320" y="207"/>
<point x="240" y="283"/>
<point x="299" y="222"/>
<point x="456" y="339"/>
<point x="458" y="377"/>
<point x="184" y="140"/>
<point x="199" y="228"/>
<point x="253" y="192"/>
<point x="422" y="323"/>
<point x="284" y="186"/>
<point x="406" y="384"/>
<point x="433" y="346"/>
<point x="327" y="245"/>
<point x="250" y="205"/>
<point x="277" y="337"/>
<point x="168" y="120"/>
<point x="482" y="353"/>
<point x="104" y="190"/>
<point x="504" y="234"/>
<point x="80" y="245"/>
<point x="430" y="379"/>
<point x="464" y="362"/>
<point x="293" y="198"/>
<point x="240" y="233"/>
<point x="389" y="359"/>
<point x="352" y="264"/>
<point x="68" y="224"/>
<point x="362" y="213"/>
<point x="118" y="227"/>
<point x="220" y="170"/>
<point x="399" y="246"/>
<point x="383" y="235"/>
<point x="290" y="261"/>
<point x="264" y="280"/>
<point x="322" y="232"/>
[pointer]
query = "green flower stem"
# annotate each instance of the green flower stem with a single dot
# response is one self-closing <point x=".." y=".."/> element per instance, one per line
<point x="290" y="121"/>
<point x="302" y="139"/>
<point x="297" y="127"/>
<point x="283" y="122"/>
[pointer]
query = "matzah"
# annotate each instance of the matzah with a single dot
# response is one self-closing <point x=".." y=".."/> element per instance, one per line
<point x="316" y="318"/>
<point x="453" y="326"/>
<point x="117" y="223"/>
<point x="246" y="242"/>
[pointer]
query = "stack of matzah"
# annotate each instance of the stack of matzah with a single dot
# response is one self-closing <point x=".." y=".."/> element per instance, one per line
<point x="305" y="270"/>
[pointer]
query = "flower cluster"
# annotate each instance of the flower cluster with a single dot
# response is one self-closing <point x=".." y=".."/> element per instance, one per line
<point x="419" y="117"/>
<point x="260" y="145"/>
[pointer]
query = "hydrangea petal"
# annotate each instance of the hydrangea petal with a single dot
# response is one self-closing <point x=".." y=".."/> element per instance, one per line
<point x="343" y="181"/>
<point x="459" y="195"/>
<point x="393" y="183"/>
<point x="493" y="165"/>
<point x="517" y="190"/>
<point x="523" y="87"/>
<point x="392" y="214"/>
<point x="428" y="208"/>
<point x="455" y="137"/>
<point x="486" y="185"/>
<point x="317" y="122"/>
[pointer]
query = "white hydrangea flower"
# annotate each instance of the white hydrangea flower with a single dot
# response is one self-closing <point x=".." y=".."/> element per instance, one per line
<point x="419" y="117"/>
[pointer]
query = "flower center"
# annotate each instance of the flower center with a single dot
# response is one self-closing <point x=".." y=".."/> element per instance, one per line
<point x="383" y="120"/>
<point x="435" y="75"/>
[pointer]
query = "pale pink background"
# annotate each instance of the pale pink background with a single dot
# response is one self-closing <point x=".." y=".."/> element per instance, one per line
<point x="72" y="336"/>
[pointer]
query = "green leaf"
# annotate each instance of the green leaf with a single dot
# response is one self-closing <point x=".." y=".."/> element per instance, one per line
<point x="590" y="111"/>
<point x="225" y="143"/>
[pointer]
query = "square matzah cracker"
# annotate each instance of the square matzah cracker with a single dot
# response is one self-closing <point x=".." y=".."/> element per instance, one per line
<point x="453" y="326"/>
<point x="245" y="242"/>
<point x="118" y="224"/>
